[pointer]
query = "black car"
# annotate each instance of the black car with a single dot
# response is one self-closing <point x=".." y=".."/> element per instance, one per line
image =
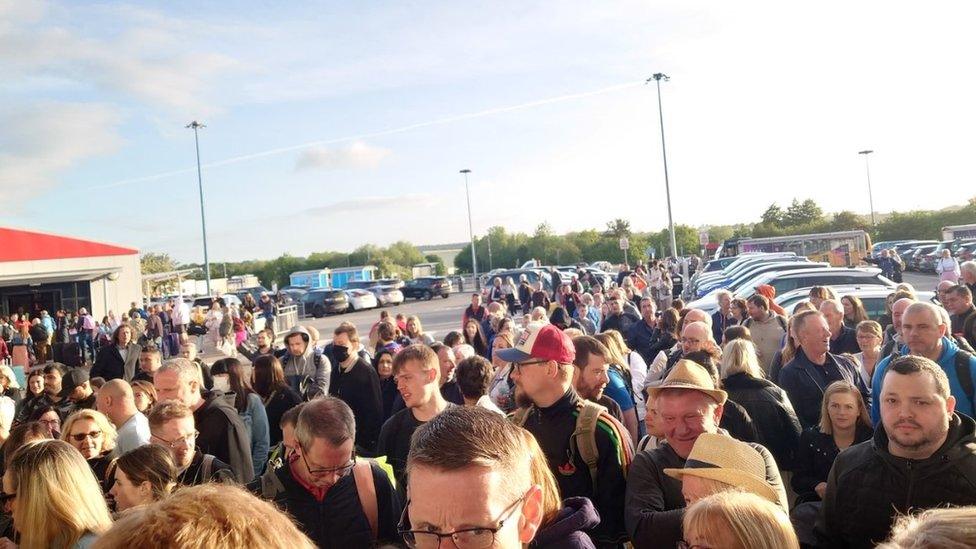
<point x="323" y="301"/>
<point x="427" y="287"/>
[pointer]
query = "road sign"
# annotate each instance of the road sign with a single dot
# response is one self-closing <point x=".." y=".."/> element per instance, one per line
<point x="703" y="238"/>
<point x="624" y="243"/>
<point x="650" y="252"/>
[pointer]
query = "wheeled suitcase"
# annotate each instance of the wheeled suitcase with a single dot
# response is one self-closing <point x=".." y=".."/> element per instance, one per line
<point x="71" y="355"/>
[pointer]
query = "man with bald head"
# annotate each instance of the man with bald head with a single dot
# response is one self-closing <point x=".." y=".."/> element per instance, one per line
<point x="925" y="332"/>
<point x="116" y="401"/>
<point x="842" y="338"/>
<point x="814" y="368"/>
<point x="665" y="359"/>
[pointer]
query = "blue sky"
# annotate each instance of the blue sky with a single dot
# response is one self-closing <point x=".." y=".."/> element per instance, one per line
<point x="333" y="124"/>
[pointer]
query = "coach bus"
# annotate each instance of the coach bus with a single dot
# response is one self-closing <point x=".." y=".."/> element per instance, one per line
<point x="955" y="232"/>
<point x="845" y="248"/>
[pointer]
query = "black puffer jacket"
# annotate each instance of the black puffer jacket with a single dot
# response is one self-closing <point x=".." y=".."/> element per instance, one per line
<point x="868" y="486"/>
<point x="771" y="412"/>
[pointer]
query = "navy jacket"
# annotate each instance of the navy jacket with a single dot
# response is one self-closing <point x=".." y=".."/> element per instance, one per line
<point x="805" y="383"/>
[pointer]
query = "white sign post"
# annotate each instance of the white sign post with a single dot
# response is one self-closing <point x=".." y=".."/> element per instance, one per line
<point x="624" y="245"/>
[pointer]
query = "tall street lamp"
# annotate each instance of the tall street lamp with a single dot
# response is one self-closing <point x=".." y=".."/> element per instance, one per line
<point x="203" y="218"/>
<point x="657" y="77"/>
<point x="474" y="255"/>
<point x="867" y="169"/>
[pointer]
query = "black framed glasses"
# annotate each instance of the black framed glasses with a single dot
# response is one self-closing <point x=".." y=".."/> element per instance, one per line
<point x="94" y="435"/>
<point x="326" y="471"/>
<point x="467" y="538"/>
<point x="186" y="440"/>
<point x="518" y="365"/>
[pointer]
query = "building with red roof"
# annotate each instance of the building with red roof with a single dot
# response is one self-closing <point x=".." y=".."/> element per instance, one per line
<point x="41" y="271"/>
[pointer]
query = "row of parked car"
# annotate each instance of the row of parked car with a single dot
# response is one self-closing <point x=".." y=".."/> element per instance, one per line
<point x="791" y="276"/>
<point x="369" y="294"/>
<point x="921" y="255"/>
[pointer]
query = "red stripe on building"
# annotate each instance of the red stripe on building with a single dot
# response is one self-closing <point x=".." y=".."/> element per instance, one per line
<point x="19" y="245"/>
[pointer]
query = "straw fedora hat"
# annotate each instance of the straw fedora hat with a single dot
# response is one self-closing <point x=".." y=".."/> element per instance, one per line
<point x="690" y="375"/>
<point x="729" y="461"/>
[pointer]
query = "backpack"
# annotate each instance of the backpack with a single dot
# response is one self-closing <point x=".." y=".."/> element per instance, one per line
<point x="584" y="436"/>
<point x="271" y="488"/>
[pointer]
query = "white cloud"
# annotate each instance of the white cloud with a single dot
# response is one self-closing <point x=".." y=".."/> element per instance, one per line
<point x="356" y="155"/>
<point x="40" y="141"/>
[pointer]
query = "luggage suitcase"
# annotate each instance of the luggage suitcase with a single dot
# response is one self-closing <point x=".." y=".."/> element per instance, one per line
<point x="71" y="355"/>
<point x="20" y="356"/>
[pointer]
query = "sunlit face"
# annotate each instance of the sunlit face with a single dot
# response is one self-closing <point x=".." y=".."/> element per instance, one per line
<point x="446" y="501"/>
<point x="128" y="494"/>
<point x="296" y="344"/>
<point x="35" y="384"/>
<point x="498" y="344"/>
<point x="179" y="437"/>
<point x="848" y="307"/>
<point x="693" y="337"/>
<point x="724" y="302"/>
<point x="898" y="311"/>
<point x="87" y="437"/>
<point x="169" y="385"/>
<point x="322" y="464"/>
<point x="412" y="327"/>
<point x="922" y="331"/>
<point x="756" y="313"/>
<point x="142" y="399"/>
<point x="446" y="362"/>
<point x="814" y="336"/>
<point x="471" y="329"/>
<point x="914" y="415"/>
<point x="842" y="409"/>
<point x="52" y="383"/>
<point x="415" y="384"/>
<point x="384" y="367"/>
<point x="591" y="380"/>
<point x="647" y="309"/>
<point x="685" y="415"/>
<point x="262" y="339"/>
<point x="188" y="352"/>
<point x="652" y="420"/>
<point x="125" y="336"/>
<point x="867" y="340"/>
<point x="52" y="421"/>
<point x="149" y="362"/>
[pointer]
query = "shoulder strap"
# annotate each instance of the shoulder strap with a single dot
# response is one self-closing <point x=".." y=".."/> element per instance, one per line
<point x="519" y="416"/>
<point x="366" y="488"/>
<point x="206" y="469"/>
<point x="642" y="445"/>
<point x="782" y="323"/>
<point x="965" y="374"/>
<point x="271" y="485"/>
<point x="585" y="436"/>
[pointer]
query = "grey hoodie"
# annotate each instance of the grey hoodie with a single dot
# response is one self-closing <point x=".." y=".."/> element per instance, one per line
<point x="311" y="365"/>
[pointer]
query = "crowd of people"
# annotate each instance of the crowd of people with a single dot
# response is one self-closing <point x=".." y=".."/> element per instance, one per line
<point x="594" y="417"/>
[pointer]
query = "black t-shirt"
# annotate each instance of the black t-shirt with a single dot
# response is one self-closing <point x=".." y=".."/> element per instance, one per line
<point x="394" y="443"/>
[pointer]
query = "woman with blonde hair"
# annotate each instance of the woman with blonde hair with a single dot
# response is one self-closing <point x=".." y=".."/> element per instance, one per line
<point x="771" y="411"/>
<point x="952" y="528"/>
<point x="415" y="331"/>
<point x="869" y="338"/>
<point x="737" y="520"/>
<point x="844" y="421"/>
<point x="632" y="365"/>
<point x="54" y="499"/>
<point x="94" y="436"/>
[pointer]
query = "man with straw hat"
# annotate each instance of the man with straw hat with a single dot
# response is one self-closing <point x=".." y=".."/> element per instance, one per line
<point x="719" y="463"/>
<point x="688" y="406"/>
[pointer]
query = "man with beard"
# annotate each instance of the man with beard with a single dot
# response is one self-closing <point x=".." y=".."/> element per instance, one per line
<point x="922" y="456"/>
<point x="592" y="373"/>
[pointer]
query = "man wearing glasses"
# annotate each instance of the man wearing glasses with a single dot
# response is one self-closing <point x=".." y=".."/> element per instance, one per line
<point x="337" y="499"/>
<point x="543" y="368"/>
<point x="471" y="482"/>
<point x="171" y="426"/>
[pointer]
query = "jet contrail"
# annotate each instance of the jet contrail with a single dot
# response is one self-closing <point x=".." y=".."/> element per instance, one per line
<point x="401" y="129"/>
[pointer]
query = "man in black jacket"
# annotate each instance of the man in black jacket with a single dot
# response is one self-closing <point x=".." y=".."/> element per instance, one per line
<point x="619" y="318"/>
<point x="959" y="302"/>
<point x="843" y="339"/>
<point x="643" y="335"/>
<point x="358" y="384"/>
<point x="688" y="404"/>
<point x="337" y="499"/>
<point x="222" y="431"/>
<point x="806" y="377"/>
<point x="922" y="456"/>
<point x="543" y="371"/>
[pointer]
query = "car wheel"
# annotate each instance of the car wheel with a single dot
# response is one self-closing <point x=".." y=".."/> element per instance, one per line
<point x="445" y="296"/>
<point x="318" y="311"/>
<point x="428" y="295"/>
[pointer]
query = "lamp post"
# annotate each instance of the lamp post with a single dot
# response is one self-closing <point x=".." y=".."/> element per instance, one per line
<point x="474" y="255"/>
<point x="867" y="169"/>
<point x="657" y="77"/>
<point x="203" y="218"/>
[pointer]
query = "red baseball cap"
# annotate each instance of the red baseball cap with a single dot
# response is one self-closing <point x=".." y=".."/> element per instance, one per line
<point x="541" y="341"/>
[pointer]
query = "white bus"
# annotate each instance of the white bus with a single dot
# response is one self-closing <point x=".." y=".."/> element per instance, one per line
<point x="955" y="232"/>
